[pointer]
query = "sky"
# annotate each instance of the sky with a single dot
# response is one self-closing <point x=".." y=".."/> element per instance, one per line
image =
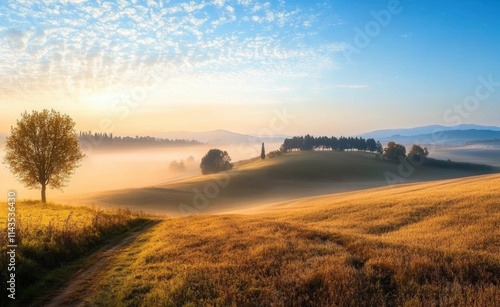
<point x="284" y="67"/>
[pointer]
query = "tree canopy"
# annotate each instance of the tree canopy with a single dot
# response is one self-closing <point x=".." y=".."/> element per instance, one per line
<point x="215" y="161"/>
<point x="371" y="145"/>
<point x="43" y="150"/>
<point x="418" y="154"/>
<point x="309" y="142"/>
<point x="394" y="151"/>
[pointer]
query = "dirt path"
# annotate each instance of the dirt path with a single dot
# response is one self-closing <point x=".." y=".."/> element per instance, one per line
<point x="82" y="283"/>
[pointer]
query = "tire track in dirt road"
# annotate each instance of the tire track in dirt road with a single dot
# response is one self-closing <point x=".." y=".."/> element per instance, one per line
<point x="82" y="283"/>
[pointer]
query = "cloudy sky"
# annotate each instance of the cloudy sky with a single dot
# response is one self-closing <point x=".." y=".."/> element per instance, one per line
<point x="292" y="67"/>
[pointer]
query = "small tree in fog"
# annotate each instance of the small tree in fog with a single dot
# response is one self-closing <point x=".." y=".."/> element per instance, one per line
<point x="417" y="153"/>
<point x="215" y="161"/>
<point x="263" y="152"/>
<point x="393" y="151"/>
<point x="177" y="166"/>
<point x="42" y="150"/>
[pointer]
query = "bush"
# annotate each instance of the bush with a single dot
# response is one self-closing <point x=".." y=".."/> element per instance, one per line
<point x="417" y="153"/>
<point x="273" y="154"/>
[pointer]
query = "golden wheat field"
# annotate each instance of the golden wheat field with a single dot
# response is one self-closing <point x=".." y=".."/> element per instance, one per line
<point x="427" y="244"/>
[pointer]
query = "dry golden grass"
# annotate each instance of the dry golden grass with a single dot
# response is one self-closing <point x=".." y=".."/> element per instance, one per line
<point x="431" y="244"/>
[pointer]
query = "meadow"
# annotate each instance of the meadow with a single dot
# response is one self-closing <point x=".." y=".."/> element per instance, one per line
<point x="425" y="244"/>
<point x="50" y="239"/>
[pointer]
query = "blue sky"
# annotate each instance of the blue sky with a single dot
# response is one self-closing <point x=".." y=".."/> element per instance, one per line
<point x="339" y="67"/>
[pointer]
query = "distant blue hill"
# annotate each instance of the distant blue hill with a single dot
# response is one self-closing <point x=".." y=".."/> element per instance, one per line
<point x="449" y="137"/>
<point x="482" y="131"/>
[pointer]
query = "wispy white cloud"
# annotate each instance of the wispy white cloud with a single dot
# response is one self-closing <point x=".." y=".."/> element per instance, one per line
<point x="219" y="3"/>
<point x="75" y="47"/>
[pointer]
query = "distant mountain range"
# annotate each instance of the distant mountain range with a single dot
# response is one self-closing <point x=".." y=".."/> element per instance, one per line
<point x="382" y="134"/>
<point x="438" y="135"/>
<point x="451" y="137"/>
<point x="216" y="137"/>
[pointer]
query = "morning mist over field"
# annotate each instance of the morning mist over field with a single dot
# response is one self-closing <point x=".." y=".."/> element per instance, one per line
<point x="117" y="168"/>
<point x="249" y="153"/>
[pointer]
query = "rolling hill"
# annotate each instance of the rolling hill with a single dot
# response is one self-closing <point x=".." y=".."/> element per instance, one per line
<point x="258" y="182"/>
<point x="261" y="241"/>
<point x="425" y="244"/>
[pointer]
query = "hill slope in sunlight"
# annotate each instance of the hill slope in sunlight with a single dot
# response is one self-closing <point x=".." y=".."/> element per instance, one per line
<point x="293" y="175"/>
<point x="427" y="244"/>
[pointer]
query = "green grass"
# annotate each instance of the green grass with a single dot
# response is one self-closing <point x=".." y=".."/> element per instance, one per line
<point x="448" y="164"/>
<point x="50" y="237"/>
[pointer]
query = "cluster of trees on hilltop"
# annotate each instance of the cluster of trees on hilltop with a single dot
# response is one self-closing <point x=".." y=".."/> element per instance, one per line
<point x="104" y="139"/>
<point x="309" y="142"/>
<point x="395" y="151"/>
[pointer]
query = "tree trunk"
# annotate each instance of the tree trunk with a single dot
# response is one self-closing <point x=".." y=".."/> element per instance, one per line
<point x="44" y="199"/>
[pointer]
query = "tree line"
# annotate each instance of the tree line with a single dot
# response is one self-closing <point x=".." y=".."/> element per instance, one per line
<point x="309" y="142"/>
<point x="105" y="139"/>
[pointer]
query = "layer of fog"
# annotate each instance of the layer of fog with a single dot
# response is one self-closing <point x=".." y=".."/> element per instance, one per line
<point x="103" y="170"/>
<point x="482" y="154"/>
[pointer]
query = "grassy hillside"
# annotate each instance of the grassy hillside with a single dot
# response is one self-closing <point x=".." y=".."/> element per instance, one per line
<point x="430" y="244"/>
<point x="297" y="174"/>
<point x="50" y="236"/>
